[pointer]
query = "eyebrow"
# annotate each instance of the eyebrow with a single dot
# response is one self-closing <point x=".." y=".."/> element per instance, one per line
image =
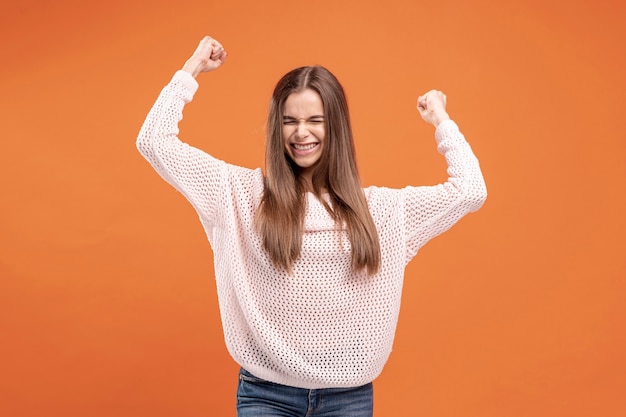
<point x="317" y="116"/>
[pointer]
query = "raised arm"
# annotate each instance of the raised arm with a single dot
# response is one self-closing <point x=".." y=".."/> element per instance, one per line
<point x="432" y="210"/>
<point x="191" y="171"/>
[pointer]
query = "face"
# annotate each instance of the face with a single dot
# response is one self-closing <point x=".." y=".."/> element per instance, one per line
<point x="303" y="129"/>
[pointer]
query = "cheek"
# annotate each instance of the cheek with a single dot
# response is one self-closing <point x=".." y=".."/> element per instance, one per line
<point x="286" y="134"/>
<point x="320" y="133"/>
<point x="286" y="131"/>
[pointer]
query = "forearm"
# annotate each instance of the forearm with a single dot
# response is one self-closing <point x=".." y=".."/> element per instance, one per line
<point x="463" y="166"/>
<point x="160" y="129"/>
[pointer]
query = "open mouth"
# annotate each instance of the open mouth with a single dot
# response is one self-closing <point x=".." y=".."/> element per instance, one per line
<point x="304" y="146"/>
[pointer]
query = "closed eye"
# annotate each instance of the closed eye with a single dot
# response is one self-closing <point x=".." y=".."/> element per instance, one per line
<point x="290" y="121"/>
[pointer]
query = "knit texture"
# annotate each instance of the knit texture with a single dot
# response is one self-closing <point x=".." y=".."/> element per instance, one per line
<point x="323" y="325"/>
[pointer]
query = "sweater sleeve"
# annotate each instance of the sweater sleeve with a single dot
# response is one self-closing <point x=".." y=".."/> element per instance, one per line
<point x="197" y="175"/>
<point x="431" y="210"/>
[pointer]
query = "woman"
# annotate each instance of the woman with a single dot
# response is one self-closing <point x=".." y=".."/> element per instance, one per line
<point x="309" y="265"/>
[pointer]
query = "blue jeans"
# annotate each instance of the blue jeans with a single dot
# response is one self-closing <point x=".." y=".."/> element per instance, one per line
<point x="259" y="398"/>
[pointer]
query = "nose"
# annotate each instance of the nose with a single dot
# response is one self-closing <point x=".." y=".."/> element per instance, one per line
<point x="301" y="130"/>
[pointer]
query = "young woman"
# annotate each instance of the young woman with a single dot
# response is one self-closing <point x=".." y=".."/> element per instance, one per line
<point x="309" y="265"/>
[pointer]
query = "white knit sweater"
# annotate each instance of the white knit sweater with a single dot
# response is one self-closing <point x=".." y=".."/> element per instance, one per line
<point x="323" y="325"/>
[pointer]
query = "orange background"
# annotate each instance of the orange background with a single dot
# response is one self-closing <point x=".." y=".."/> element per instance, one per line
<point x="107" y="297"/>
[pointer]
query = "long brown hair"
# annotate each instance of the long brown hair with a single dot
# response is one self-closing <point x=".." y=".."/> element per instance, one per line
<point x="280" y="218"/>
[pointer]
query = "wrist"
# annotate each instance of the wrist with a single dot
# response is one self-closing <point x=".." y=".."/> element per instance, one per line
<point x="193" y="67"/>
<point x="440" y="118"/>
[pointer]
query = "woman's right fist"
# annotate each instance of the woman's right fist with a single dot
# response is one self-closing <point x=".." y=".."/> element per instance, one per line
<point x="208" y="56"/>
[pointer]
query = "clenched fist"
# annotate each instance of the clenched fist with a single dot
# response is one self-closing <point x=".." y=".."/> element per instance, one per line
<point x="432" y="107"/>
<point x="209" y="56"/>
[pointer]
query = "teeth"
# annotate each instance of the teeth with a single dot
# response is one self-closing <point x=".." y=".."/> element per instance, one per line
<point x="304" y="147"/>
